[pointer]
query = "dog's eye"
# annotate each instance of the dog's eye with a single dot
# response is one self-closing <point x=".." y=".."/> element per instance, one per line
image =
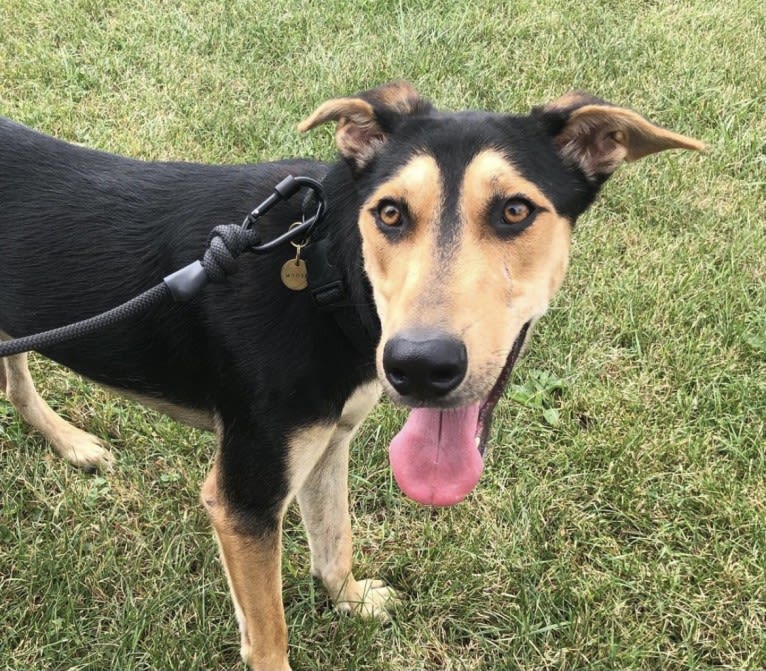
<point x="517" y="211"/>
<point x="389" y="213"/>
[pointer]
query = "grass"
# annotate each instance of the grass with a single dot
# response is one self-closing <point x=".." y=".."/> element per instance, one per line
<point x="621" y="522"/>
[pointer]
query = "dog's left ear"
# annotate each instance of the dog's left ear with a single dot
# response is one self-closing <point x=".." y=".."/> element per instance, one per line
<point x="366" y="119"/>
<point x="597" y="136"/>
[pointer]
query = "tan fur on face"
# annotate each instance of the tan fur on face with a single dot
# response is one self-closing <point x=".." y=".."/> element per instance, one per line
<point x="499" y="285"/>
<point x="488" y="287"/>
<point x="401" y="270"/>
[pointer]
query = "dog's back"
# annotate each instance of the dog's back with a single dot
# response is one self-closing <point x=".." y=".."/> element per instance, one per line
<point x="84" y="230"/>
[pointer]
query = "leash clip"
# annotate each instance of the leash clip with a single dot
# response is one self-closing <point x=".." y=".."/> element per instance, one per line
<point x="286" y="189"/>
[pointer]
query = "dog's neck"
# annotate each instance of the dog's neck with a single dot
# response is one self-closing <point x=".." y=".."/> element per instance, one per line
<point x="340" y="227"/>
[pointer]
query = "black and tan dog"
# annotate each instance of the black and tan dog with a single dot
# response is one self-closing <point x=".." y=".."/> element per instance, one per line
<point x="450" y="233"/>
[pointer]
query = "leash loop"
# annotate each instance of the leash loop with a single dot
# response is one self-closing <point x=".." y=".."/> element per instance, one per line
<point x="224" y="245"/>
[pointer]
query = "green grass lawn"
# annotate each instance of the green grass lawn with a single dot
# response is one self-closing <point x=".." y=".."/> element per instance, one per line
<point x="621" y="521"/>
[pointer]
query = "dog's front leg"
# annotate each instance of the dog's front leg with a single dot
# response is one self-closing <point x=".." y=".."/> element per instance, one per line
<point x="251" y="557"/>
<point x="323" y="499"/>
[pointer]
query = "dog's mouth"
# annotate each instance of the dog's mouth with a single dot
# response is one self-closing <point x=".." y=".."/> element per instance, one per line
<point x="438" y="456"/>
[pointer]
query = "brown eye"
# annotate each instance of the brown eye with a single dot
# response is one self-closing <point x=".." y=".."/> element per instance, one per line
<point x="389" y="214"/>
<point x="516" y="211"/>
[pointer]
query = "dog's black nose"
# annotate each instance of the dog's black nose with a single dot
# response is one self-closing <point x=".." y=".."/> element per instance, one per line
<point x="424" y="364"/>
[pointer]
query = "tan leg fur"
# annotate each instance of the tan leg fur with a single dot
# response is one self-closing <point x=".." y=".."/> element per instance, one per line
<point x="318" y="473"/>
<point x="324" y="505"/>
<point x="76" y="446"/>
<point x="253" y="570"/>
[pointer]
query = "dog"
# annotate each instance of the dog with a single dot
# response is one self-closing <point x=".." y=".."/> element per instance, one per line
<point x="446" y="234"/>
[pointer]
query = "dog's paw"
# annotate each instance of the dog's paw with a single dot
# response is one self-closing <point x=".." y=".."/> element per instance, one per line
<point x="270" y="663"/>
<point x="83" y="450"/>
<point x="369" y="599"/>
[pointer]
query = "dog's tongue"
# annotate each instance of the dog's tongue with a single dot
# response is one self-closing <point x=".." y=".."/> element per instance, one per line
<point x="434" y="457"/>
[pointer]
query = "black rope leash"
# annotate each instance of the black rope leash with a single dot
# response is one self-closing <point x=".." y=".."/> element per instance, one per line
<point x="224" y="246"/>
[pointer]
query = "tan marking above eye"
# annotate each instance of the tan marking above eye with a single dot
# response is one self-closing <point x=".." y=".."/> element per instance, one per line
<point x="389" y="214"/>
<point x="516" y="210"/>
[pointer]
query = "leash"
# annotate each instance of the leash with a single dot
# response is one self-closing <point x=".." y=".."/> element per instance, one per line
<point x="224" y="246"/>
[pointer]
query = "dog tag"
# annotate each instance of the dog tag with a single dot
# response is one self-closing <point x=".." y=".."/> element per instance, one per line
<point x="294" y="274"/>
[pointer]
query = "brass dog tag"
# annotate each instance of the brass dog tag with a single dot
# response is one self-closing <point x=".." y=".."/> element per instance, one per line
<point x="294" y="274"/>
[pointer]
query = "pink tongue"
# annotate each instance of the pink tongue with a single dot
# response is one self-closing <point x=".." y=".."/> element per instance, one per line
<point x="434" y="457"/>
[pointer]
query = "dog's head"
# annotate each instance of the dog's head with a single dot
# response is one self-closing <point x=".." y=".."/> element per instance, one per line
<point x="466" y="226"/>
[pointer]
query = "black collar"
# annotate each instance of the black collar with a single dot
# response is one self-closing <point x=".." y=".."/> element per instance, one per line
<point x="331" y="294"/>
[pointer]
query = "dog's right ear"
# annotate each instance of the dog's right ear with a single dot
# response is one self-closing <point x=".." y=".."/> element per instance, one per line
<point x="365" y="120"/>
